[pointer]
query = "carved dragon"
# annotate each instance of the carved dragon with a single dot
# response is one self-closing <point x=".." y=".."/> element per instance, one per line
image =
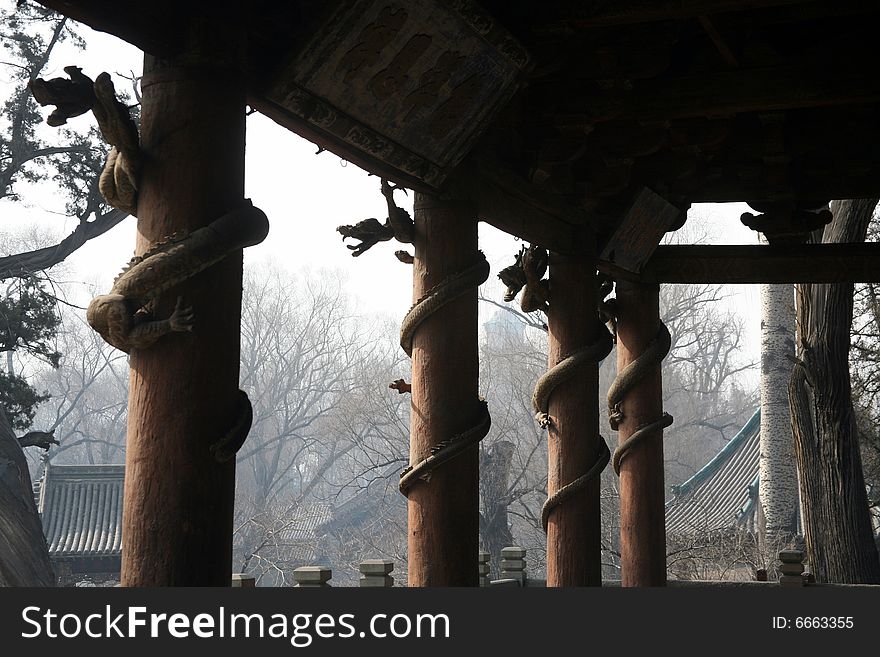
<point x="369" y="232"/>
<point x="528" y="272"/>
<point x="124" y="318"/>
<point x="448" y="290"/>
<point x="78" y="95"/>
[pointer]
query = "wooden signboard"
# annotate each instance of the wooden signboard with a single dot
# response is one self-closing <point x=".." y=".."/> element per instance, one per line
<point x="400" y="87"/>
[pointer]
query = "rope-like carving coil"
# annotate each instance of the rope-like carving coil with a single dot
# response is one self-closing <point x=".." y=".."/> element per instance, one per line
<point x="232" y="441"/>
<point x="564" y="370"/>
<point x="626" y="380"/>
<point x="447" y="291"/>
<point x="573" y="488"/>
<point x="549" y="381"/>
<point x="447" y="450"/>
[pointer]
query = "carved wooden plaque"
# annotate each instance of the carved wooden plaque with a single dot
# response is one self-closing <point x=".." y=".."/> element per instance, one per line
<point x="639" y="232"/>
<point x="410" y="85"/>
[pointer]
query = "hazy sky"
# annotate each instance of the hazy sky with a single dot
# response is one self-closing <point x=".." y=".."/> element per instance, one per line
<point x="306" y="196"/>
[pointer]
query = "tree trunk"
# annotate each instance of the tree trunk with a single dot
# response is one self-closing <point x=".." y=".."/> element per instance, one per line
<point x="839" y="539"/>
<point x="778" y="467"/>
<point x="494" y="524"/>
<point x="24" y="557"/>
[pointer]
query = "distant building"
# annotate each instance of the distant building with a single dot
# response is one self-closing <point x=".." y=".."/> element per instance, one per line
<point x="723" y="494"/>
<point x="81" y="510"/>
<point x="504" y="328"/>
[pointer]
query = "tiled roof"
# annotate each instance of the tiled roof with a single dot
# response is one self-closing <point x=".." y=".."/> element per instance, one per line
<point x="377" y="498"/>
<point x="302" y="526"/>
<point x="723" y="493"/>
<point x="81" y="507"/>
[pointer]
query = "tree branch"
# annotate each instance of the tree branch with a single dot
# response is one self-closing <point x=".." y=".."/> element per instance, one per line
<point x="24" y="264"/>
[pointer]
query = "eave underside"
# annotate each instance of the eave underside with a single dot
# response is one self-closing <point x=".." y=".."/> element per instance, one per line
<point x="769" y="101"/>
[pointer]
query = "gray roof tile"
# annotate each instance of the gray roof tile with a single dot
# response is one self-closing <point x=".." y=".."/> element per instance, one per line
<point x="81" y="507"/>
<point x="721" y="495"/>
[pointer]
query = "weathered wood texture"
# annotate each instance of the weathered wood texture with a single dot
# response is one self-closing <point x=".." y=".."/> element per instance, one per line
<point x="840" y="542"/>
<point x="516" y="206"/>
<point x="799" y="263"/>
<point x="574" y="527"/>
<point x="443" y="512"/>
<point x="177" y="524"/>
<point x="642" y="490"/>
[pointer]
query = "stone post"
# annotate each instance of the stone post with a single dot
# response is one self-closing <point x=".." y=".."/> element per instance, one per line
<point x="376" y="572"/>
<point x="312" y="576"/>
<point x="791" y="568"/>
<point x="243" y="580"/>
<point x="513" y="564"/>
<point x="483" y="568"/>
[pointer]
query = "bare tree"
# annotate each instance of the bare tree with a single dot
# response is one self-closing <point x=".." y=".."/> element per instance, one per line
<point x="88" y="396"/>
<point x="300" y="353"/>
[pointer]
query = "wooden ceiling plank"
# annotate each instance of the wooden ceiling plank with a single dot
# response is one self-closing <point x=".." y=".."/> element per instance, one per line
<point x="719" y="94"/>
<point x="800" y="263"/>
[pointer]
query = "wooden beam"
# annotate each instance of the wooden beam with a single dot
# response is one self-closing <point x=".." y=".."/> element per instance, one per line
<point x="719" y="94"/>
<point x="644" y="11"/>
<point x="801" y="263"/>
<point x="853" y="177"/>
<point x="516" y="206"/>
<point x="328" y="142"/>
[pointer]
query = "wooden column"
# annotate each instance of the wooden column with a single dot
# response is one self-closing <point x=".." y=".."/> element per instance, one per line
<point x="177" y="522"/>
<point x="642" y="511"/>
<point x="444" y="511"/>
<point x="573" y="528"/>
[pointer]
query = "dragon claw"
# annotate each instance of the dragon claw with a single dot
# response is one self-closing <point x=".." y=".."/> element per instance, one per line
<point x="183" y="318"/>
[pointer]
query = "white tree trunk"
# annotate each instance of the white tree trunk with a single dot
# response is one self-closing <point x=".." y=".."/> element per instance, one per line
<point x="778" y="466"/>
